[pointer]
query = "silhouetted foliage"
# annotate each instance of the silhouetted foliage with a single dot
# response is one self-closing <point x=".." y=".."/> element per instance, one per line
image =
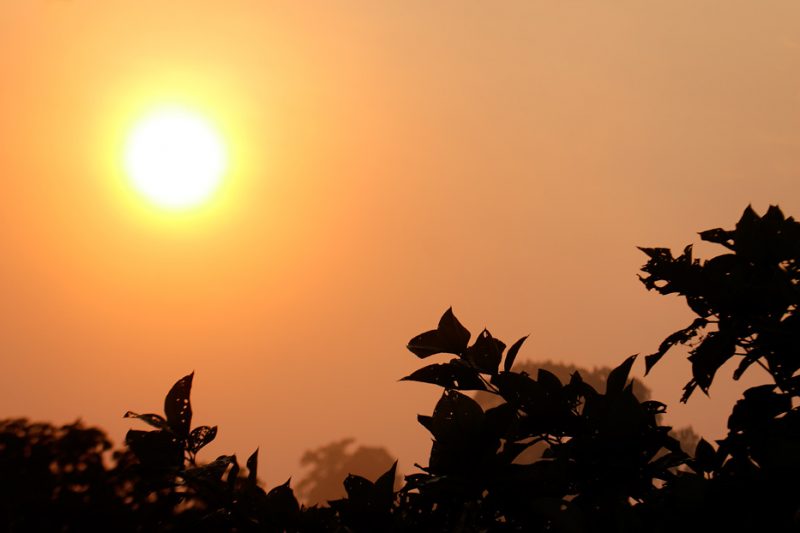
<point x="595" y="377"/>
<point x="608" y="464"/>
<point x="746" y="300"/>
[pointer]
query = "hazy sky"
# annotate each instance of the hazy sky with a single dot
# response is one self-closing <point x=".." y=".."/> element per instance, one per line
<point x="389" y="160"/>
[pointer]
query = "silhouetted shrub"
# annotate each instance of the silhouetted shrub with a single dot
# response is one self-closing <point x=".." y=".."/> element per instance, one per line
<point x="608" y="464"/>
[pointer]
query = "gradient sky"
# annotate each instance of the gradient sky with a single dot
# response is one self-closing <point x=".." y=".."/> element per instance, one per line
<point x="390" y="159"/>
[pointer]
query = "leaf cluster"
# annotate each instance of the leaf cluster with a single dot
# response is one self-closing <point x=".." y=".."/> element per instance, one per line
<point x="604" y="448"/>
<point x="745" y="299"/>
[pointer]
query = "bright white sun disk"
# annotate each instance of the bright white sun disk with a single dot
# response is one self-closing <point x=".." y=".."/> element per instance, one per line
<point x="175" y="158"/>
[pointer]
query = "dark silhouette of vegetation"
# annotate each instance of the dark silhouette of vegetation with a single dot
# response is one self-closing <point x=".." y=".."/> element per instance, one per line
<point x="608" y="463"/>
<point x="597" y="378"/>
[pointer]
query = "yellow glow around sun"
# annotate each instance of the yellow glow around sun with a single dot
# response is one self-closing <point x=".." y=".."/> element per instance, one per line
<point x="175" y="158"/>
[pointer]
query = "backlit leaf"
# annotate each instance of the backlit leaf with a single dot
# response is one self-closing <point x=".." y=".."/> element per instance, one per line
<point x="178" y="408"/>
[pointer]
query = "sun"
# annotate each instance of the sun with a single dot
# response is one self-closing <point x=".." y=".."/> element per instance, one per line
<point x="175" y="158"/>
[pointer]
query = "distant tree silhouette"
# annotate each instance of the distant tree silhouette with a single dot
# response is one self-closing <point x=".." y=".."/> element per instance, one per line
<point x="331" y="463"/>
<point x="607" y="465"/>
<point x="54" y="478"/>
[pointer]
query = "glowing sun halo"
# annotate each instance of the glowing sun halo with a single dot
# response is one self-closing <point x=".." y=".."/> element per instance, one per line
<point x="175" y="158"/>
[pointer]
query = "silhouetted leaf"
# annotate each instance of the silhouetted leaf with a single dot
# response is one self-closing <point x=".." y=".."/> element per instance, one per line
<point x="452" y="375"/>
<point x="548" y="380"/>
<point x="157" y="421"/>
<point x="744" y="364"/>
<point x="661" y="465"/>
<point x="233" y="474"/>
<point x="499" y="421"/>
<point x="359" y="489"/>
<point x="519" y="389"/>
<point x="618" y="378"/>
<point x="759" y="405"/>
<point x="384" y="485"/>
<point x="688" y="389"/>
<point x="705" y="457"/>
<point x="201" y="436"/>
<point x="453" y="330"/>
<point x="178" y="408"/>
<point x="455" y="416"/>
<point x="428" y="343"/>
<point x="681" y="336"/>
<point x="252" y="468"/>
<point x="485" y="353"/>
<point x="449" y="337"/>
<point x="710" y="355"/>
<point x="281" y="507"/>
<point x="667" y="275"/>
<point x="718" y="236"/>
<point x="512" y="354"/>
<point x="426" y="422"/>
<point x="579" y="386"/>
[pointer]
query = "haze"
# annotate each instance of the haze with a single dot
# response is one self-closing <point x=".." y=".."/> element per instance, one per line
<point x="392" y="159"/>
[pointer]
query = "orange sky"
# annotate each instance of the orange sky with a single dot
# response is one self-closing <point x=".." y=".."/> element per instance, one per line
<point x="390" y="159"/>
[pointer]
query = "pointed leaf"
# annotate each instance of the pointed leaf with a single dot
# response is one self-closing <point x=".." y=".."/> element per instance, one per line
<point x="548" y="380"/>
<point x="427" y="344"/>
<point x="252" y="468"/>
<point x="456" y="335"/>
<point x="449" y="337"/>
<point x="233" y="474"/>
<point x="178" y="408"/>
<point x="485" y="354"/>
<point x="512" y="354"/>
<point x="710" y="355"/>
<point x="384" y="485"/>
<point x="745" y="363"/>
<point x="201" y="436"/>
<point x="682" y="336"/>
<point x="453" y="375"/>
<point x="618" y="378"/>
<point x="359" y="489"/>
<point x="704" y="455"/>
<point x="455" y="417"/>
<point x="157" y="421"/>
<point x="426" y="422"/>
<point x="282" y="507"/>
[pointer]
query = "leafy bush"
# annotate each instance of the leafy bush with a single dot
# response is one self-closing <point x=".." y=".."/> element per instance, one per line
<point x="608" y="463"/>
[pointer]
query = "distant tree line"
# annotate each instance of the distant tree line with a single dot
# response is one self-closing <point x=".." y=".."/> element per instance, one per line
<point x="606" y="464"/>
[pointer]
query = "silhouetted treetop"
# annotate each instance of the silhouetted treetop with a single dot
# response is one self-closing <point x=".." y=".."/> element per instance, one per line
<point x="746" y="300"/>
